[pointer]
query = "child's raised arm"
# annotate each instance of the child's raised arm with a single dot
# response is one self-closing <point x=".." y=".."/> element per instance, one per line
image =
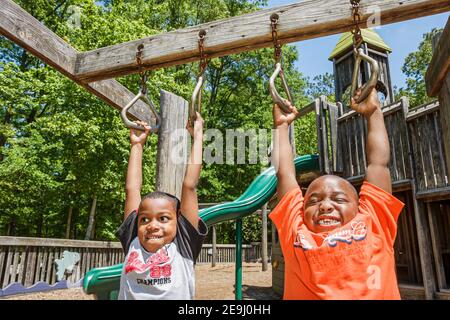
<point x="377" y="144"/>
<point x="282" y="157"/>
<point x="133" y="183"/>
<point x="189" y="200"/>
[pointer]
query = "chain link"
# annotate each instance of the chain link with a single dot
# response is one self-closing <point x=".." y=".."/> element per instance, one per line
<point x="276" y="43"/>
<point x="203" y="62"/>
<point x="142" y="73"/>
<point x="357" y="37"/>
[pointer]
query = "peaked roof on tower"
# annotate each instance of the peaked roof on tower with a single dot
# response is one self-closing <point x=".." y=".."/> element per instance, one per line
<point x="369" y="36"/>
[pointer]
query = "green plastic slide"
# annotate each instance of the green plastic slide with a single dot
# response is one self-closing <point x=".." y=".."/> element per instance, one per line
<point x="104" y="282"/>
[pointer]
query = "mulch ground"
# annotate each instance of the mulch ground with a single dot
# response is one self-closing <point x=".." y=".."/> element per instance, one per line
<point x="211" y="284"/>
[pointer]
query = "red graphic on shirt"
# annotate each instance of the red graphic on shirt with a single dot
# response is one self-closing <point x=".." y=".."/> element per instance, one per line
<point x="153" y="264"/>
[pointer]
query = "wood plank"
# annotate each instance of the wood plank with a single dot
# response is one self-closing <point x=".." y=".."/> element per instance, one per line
<point x="45" y="242"/>
<point x="425" y="143"/>
<point x="439" y="66"/>
<point x="392" y="133"/>
<point x="444" y="101"/>
<point x="437" y="151"/>
<point x="319" y="128"/>
<point x="50" y="267"/>
<point x="23" y="29"/>
<point x="23" y="266"/>
<point x="44" y="264"/>
<point x="14" y="271"/>
<point x="31" y="266"/>
<point x="38" y="265"/>
<point x="362" y="144"/>
<point x="3" y="256"/>
<point x="425" y="251"/>
<point x="173" y="136"/>
<point x="409" y="208"/>
<point x="8" y="266"/>
<point x="434" y="194"/>
<point x="409" y="292"/>
<point x="433" y="210"/>
<point x="26" y="31"/>
<point x="333" y="113"/>
<point x="299" y="21"/>
<point x="402" y="152"/>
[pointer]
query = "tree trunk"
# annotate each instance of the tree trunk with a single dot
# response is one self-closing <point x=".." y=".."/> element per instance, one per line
<point x="69" y="221"/>
<point x="91" y="219"/>
<point x="40" y="222"/>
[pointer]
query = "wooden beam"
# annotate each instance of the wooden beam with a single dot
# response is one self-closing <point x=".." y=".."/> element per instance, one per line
<point x="440" y="64"/>
<point x="299" y="21"/>
<point x="173" y="144"/>
<point x="23" y="29"/>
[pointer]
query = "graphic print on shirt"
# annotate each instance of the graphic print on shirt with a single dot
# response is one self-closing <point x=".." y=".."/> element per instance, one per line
<point x="300" y="241"/>
<point x="357" y="232"/>
<point x="158" y="271"/>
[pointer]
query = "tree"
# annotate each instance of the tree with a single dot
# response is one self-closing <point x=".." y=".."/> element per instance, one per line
<point x="322" y="84"/>
<point x="61" y="147"/>
<point x="415" y="68"/>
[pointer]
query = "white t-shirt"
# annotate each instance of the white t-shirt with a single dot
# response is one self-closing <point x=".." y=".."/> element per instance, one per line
<point x="167" y="274"/>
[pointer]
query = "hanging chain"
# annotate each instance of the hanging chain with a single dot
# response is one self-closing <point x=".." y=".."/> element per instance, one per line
<point x="276" y="44"/>
<point x="357" y="37"/>
<point x="143" y="74"/>
<point x="203" y="62"/>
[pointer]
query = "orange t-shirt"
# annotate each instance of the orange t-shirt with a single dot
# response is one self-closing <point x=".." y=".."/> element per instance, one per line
<point x="355" y="261"/>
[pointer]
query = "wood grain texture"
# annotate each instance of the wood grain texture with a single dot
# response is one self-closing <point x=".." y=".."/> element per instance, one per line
<point x="172" y="144"/>
<point x="440" y="63"/>
<point x="299" y="21"/>
<point x="23" y="29"/>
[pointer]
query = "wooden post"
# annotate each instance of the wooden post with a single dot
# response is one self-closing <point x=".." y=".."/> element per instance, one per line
<point x="214" y="247"/>
<point x="69" y="221"/>
<point x="423" y="232"/>
<point x="425" y="250"/>
<point x="444" y="93"/>
<point x="172" y="144"/>
<point x="437" y="252"/>
<point x="264" y="238"/>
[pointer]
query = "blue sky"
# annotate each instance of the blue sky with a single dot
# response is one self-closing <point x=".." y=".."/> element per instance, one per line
<point x="402" y="37"/>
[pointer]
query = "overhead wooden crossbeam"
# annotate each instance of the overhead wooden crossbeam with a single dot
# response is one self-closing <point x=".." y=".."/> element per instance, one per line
<point x="22" y="28"/>
<point x="300" y="21"/>
<point x="439" y="67"/>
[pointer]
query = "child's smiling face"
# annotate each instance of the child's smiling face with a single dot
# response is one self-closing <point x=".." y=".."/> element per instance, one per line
<point x="157" y="223"/>
<point x="330" y="203"/>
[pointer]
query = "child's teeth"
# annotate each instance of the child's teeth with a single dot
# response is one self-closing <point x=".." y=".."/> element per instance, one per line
<point x="328" y="222"/>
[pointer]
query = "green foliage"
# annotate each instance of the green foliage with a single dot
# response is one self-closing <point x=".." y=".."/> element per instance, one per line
<point x="322" y="84"/>
<point x="415" y="68"/>
<point x="60" y="146"/>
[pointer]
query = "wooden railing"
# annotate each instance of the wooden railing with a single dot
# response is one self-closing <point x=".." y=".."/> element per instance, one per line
<point x="226" y="253"/>
<point x="413" y="135"/>
<point x="424" y="127"/>
<point x="31" y="260"/>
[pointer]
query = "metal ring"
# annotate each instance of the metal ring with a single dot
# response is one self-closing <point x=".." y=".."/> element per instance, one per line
<point x="274" y="93"/>
<point x="132" y="125"/>
<point x="374" y="70"/>
<point x="193" y="106"/>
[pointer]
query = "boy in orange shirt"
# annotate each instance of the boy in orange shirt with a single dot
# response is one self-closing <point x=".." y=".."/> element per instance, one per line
<point x="337" y="245"/>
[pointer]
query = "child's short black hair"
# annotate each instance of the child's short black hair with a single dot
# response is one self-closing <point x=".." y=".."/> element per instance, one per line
<point x="164" y="195"/>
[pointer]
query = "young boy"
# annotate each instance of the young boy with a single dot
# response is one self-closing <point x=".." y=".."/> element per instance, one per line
<point x="161" y="236"/>
<point x="337" y="246"/>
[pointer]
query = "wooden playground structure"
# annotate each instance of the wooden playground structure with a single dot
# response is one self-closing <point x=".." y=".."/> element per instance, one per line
<point x="419" y="138"/>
